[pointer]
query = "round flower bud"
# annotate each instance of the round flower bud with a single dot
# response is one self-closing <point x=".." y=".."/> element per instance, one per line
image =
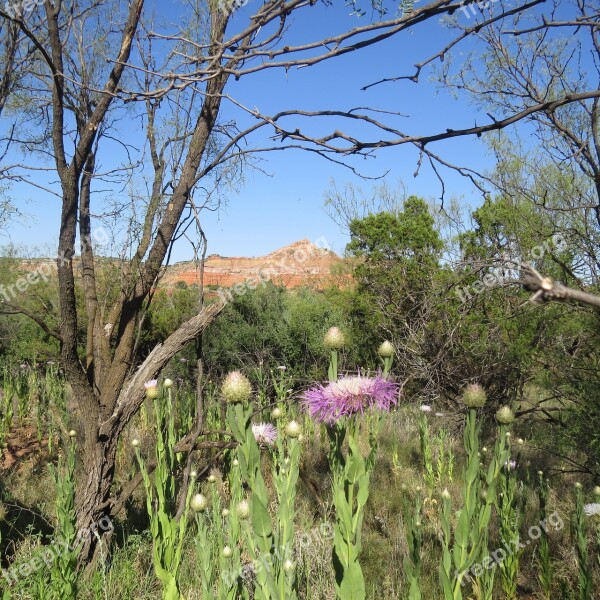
<point x="505" y="416"/>
<point x="235" y="462"/>
<point x="225" y="512"/>
<point x="212" y="478"/>
<point x="386" y="350"/>
<point x="508" y="434"/>
<point x="334" y="339"/>
<point x="597" y="490"/>
<point x="227" y="552"/>
<point x="236" y="388"/>
<point x="446" y="494"/>
<point x="243" y="509"/>
<point x="474" y="396"/>
<point x="72" y="433"/>
<point x="578" y="486"/>
<point x="418" y="489"/>
<point x="168" y="383"/>
<point x="152" y="389"/>
<point x="135" y="443"/>
<point x="483" y="494"/>
<point x="541" y="473"/>
<point x="288" y="566"/>
<point x="417" y="523"/>
<point x="199" y="503"/>
<point x="193" y="474"/>
<point x="276" y="413"/>
<point x="520" y="441"/>
<point x="292" y="429"/>
<point x="484" y="450"/>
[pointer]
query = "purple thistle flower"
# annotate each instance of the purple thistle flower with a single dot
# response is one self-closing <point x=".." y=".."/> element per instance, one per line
<point x="265" y="434"/>
<point x="349" y="396"/>
<point x="150" y="384"/>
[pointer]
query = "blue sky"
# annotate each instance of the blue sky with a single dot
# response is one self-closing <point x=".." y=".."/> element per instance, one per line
<point x="286" y="204"/>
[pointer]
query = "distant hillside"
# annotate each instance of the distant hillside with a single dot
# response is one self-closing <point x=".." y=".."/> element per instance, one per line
<point x="300" y="263"/>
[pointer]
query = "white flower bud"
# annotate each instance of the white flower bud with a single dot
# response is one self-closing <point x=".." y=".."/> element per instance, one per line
<point x="199" y="503"/>
<point x="236" y="388"/>
<point x="135" y="443"/>
<point x="243" y="509"/>
<point x="293" y="429"/>
<point x="474" y="396"/>
<point x="386" y="350"/>
<point x="334" y="339"/>
<point x="168" y="383"/>
<point x="505" y="416"/>
<point x="276" y="413"/>
<point x="227" y="552"/>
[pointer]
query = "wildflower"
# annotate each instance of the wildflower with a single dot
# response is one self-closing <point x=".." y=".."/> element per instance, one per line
<point x="199" y="503"/>
<point x="236" y="388"/>
<point x="235" y="462"/>
<point x="212" y="479"/>
<point x="425" y="408"/>
<point x="446" y="494"/>
<point x="265" y="434"/>
<point x="72" y="433"/>
<point x="282" y="367"/>
<point x="386" y="350"/>
<point x="194" y="474"/>
<point x="334" y="339"/>
<point x="288" y="566"/>
<point x="135" y="443"/>
<point x="276" y="413"/>
<point x="293" y="430"/>
<point x="505" y="416"/>
<point x="348" y="396"/>
<point x="474" y="396"/>
<point x="591" y="510"/>
<point x="578" y="486"/>
<point x="510" y="464"/>
<point x="225" y="512"/>
<point x="168" y="383"/>
<point x="151" y="388"/>
<point x="183" y="360"/>
<point x="520" y="441"/>
<point x="227" y="552"/>
<point x="243" y="509"/>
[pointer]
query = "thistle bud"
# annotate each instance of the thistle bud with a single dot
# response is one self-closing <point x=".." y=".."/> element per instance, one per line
<point x="288" y="566"/>
<point x="276" y="413"/>
<point x="386" y="350"/>
<point x="227" y="552"/>
<point x="243" y="509"/>
<point x="520" y="441"/>
<point x="334" y="339"/>
<point x="212" y="479"/>
<point x="225" y="512"/>
<point x="236" y="388"/>
<point x="193" y="474"/>
<point x="505" y="416"/>
<point x="72" y="433"/>
<point x="578" y="486"/>
<point x="135" y="443"/>
<point x="597" y="490"/>
<point x="168" y="383"/>
<point x="474" y="396"/>
<point x="235" y="462"/>
<point x="292" y="429"/>
<point x="446" y="494"/>
<point x="199" y="503"/>
<point x="152" y="389"/>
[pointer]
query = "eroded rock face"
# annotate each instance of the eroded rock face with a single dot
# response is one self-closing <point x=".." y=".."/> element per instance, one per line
<point x="298" y="264"/>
